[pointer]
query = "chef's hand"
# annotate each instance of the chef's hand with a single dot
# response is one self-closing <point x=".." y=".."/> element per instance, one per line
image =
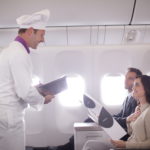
<point x="48" y="98"/>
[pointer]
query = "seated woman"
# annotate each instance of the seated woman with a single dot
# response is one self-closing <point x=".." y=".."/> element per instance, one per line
<point x="138" y="123"/>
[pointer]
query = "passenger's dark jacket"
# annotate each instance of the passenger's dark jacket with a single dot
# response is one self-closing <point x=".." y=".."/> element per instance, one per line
<point x="127" y="109"/>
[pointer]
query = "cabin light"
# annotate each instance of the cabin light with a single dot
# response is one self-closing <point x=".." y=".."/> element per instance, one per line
<point x="72" y="97"/>
<point x="112" y="90"/>
<point x="131" y="35"/>
<point x="35" y="81"/>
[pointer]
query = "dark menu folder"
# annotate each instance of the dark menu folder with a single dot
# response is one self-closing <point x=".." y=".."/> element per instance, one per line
<point x="53" y="87"/>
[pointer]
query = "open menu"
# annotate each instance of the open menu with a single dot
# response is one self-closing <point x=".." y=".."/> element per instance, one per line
<point x="101" y="116"/>
<point x="53" y="87"/>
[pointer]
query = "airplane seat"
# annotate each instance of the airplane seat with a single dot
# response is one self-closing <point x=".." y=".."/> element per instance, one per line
<point x="36" y="148"/>
<point x="101" y="145"/>
<point x="90" y="136"/>
<point x="85" y="133"/>
<point x="29" y="148"/>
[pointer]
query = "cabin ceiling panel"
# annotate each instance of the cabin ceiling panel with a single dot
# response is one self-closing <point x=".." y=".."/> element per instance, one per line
<point x="114" y="34"/>
<point x="7" y="36"/>
<point x="56" y="36"/>
<point x="69" y="12"/>
<point x="142" y="12"/>
<point x="94" y="35"/>
<point x="147" y="35"/>
<point x="134" y="34"/>
<point x="101" y="34"/>
<point x="79" y="35"/>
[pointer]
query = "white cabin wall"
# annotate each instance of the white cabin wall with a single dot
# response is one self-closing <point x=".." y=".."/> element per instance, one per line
<point x="6" y="36"/>
<point x="1" y="49"/>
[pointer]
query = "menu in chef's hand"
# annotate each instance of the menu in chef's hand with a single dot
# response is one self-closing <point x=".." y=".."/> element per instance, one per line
<point x="53" y="87"/>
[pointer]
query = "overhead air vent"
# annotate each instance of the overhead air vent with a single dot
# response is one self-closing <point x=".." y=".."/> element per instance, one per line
<point x="134" y="34"/>
<point x="131" y="35"/>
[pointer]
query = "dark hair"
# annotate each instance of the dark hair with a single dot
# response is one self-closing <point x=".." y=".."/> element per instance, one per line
<point x="135" y="70"/>
<point x="22" y="30"/>
<point x="146" y="84"/>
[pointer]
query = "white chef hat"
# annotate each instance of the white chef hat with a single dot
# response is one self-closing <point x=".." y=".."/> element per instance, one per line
<point x="36" y="20"/>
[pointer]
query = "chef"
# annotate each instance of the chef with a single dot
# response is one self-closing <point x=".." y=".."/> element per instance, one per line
<point x="16" y="90"/>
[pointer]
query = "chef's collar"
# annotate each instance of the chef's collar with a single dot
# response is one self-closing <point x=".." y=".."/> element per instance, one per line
<point x="22" y="41"/>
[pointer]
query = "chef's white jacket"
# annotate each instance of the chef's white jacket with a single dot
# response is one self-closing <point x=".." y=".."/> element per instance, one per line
<point x="16" y="93"/>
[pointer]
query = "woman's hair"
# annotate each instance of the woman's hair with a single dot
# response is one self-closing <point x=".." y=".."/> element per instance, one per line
<point x="146" y="84"/>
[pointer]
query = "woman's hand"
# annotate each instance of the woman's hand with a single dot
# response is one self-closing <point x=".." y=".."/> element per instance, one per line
<point x="118" y="143"/>
<point x="135" y="115"/>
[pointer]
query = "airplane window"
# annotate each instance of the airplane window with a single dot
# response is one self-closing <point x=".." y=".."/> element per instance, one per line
<point x="72" y="97"/>
<point x="148" y="73"/>
<point x="112" y="89"/>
